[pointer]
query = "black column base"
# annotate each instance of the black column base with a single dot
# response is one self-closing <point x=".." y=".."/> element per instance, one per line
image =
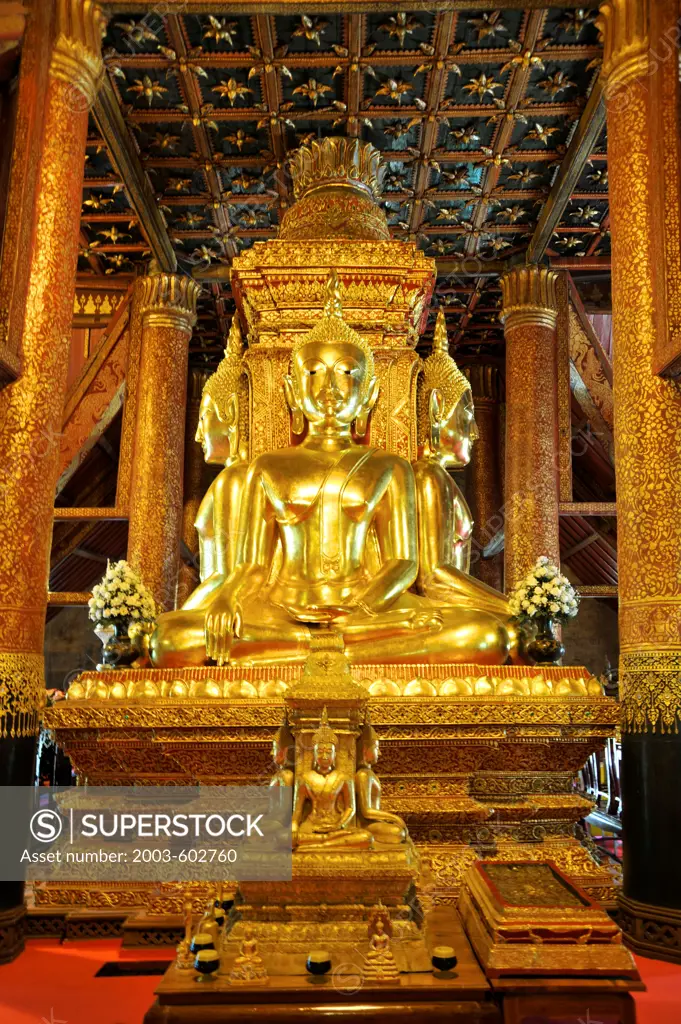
<point x="649" y="930"/>
<point x="12" y="932"/>
<point x="17" y="759"/>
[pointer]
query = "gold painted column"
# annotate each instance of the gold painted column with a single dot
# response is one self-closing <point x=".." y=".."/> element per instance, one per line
<point x="485" y="493"/>
<point x="31" y="407"/>
<point x="196" y="482"/>
<point x="529" y="316"/>
<point x="168" y="308"/>
<point x="641" y="70"/>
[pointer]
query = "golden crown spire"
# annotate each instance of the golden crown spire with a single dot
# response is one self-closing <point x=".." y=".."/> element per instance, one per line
<point x="333" y="305"/>
<point x="336" y="161"/>
<point x="440" y="340"/>
<point x="226" y="380"/>
<point x="324" y="734"/>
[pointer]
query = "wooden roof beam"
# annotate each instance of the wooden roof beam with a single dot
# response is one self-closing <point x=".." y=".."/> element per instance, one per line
<point x="247" y="7"/>
<point x="578" y="153"/>
<point x="124" y="156"/>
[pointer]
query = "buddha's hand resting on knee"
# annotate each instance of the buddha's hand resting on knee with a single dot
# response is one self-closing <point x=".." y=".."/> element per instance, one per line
<point x="223" y="622"/>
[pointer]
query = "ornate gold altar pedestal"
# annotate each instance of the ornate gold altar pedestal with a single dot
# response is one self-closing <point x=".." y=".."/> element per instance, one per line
<point x="327" y="904"/>
<point x="478" y="764"/>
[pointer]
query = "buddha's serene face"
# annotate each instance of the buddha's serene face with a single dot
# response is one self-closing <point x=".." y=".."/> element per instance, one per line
<point x="280" y="754"/>
<point x="371" y="752"/>
<point x="213" y="433"/>
<point x="330" y="381"/>
<point x="324" y="756"/>
<point x="458" y="430"/>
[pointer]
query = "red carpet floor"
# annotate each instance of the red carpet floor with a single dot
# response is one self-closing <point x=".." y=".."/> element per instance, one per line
<point x="55" y="984"/>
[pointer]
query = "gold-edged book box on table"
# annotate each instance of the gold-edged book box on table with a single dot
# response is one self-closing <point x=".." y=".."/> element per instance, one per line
<point x="527" y="918"/>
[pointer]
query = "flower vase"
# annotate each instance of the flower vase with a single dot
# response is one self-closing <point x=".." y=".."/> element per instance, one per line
<point x="119" y="651"/>
<point x="545" y="648"/>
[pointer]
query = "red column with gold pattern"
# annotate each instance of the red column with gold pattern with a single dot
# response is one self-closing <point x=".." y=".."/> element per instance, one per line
<point x="531" y="495"/>
<point x="31" y="407"/>
<point x="485" y="496"/>
<point x="168" y="306"/>
<point x="641" y="70"/>
<point x="196" y="482"/>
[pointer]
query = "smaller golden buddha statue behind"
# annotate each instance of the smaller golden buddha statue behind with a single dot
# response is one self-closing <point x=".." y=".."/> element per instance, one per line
<point x="283" y="755"/>
<point x="180" y="636"/>
<point x="447" y="431"/>
<point x="324" y="805"/>
<point x="384" y="826"/>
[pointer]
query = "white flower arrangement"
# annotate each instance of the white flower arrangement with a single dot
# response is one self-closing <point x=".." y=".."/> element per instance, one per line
<point x="544" y="591"/>
<point x="121" y="596"/>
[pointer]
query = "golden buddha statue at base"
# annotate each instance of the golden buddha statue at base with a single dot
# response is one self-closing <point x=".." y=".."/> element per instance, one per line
<point x="328" y="534"/>
<point x="324" y="801"/>
<point x="248" y="966"/>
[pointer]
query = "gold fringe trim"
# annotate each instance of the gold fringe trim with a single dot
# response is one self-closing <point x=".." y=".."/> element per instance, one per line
<point x="22" y="694"/>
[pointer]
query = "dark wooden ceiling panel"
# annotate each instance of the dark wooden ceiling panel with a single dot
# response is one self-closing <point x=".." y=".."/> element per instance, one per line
<point x="474" y="112"/>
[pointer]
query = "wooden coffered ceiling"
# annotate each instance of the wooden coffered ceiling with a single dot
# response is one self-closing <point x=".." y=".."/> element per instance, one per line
<point x="490" y="123"/>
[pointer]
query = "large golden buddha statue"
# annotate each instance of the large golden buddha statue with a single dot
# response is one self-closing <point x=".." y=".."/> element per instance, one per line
<point x="328" y="537"/>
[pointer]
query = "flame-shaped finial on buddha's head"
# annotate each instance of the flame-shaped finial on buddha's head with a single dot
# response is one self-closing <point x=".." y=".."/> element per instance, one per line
<point x="225" y="382"/>
<point x="333" y="305"/>
<point x="440" y="339"/>
<point x="324" y="735"/>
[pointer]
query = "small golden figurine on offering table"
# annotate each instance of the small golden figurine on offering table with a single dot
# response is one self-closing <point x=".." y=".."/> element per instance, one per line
<point x="379" y="962"/>
<point x="248" y="967"/>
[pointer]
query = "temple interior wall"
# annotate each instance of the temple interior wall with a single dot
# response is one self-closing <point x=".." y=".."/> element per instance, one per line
<point x="71" y="646"/>
<point x="592" y="637"/>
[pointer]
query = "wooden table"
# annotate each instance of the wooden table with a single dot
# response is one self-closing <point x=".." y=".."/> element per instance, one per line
<point x="462" y="996"/>
<point x="567" y="1000"/>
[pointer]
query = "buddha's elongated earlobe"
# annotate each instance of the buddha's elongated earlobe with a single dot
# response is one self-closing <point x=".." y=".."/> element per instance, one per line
<point x="361" y="423"/>
<point x="297" y="422"/>
<point x="362" y="420"/>
<point x="297" y="418"/>
<point x="232" y="420"/>
<point x="435" y="412"/>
